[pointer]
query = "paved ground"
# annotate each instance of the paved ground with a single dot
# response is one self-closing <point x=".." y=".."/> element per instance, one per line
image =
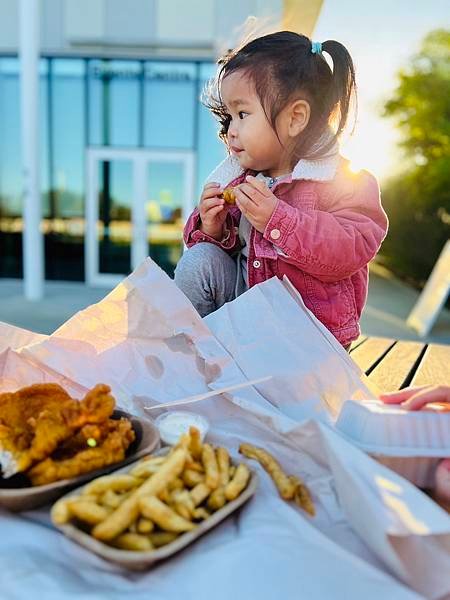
<point x="389" y="304"/>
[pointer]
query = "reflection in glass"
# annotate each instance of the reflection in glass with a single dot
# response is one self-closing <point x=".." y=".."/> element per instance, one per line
<point x="114" y="102"/>
<point x="11" y="181"/>
<point x="114" y="216"/>
<point x="164" y="213"/>
<point x="99" y="102"/>
<point x="211" y="151"/>
<point x="169" y="104"/>
<point x="64" y="198"/>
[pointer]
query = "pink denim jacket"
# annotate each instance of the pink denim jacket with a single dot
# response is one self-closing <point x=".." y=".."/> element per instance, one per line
<point x="328" y="224"/>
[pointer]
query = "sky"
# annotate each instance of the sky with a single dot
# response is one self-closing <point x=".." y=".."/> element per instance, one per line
<point x="380" y="35"/>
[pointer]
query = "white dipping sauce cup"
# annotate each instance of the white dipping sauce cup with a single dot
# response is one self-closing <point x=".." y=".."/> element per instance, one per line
<point x="173" y="424"/>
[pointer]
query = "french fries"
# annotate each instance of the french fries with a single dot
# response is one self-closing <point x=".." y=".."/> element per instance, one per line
<point x="211" y="468"/>
<point x="159" y="499"/>
<point x="163" y="515"/>
<point x="285" y="487"/>
<point x="289" y="487"/>
<point x="238" y="483"/>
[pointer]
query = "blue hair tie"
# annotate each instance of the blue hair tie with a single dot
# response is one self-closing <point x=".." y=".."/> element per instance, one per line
<point x="316" y="47"/>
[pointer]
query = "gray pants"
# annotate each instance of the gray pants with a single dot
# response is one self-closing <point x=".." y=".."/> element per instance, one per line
<point x="209" y="277"/>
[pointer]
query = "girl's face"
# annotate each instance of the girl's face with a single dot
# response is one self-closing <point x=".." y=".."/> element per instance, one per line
<point x="250" y="135"/>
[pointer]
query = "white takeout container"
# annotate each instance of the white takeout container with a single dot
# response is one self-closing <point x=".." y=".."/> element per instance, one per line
<point x="174" y="423"/>
<point x="409" y="442"/>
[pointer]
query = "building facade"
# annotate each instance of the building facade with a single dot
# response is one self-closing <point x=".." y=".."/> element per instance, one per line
<point x="125" y="143"/>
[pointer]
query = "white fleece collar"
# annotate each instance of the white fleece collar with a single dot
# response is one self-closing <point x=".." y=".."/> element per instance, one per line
<point x="323" y="169"/>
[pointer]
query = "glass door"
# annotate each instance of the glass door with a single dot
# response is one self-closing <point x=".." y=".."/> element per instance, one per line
<point x="137" y="202"/>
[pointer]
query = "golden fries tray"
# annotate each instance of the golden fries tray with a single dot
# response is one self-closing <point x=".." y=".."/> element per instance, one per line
<point x="144" y="560"/>
<point x="16" y="494"/>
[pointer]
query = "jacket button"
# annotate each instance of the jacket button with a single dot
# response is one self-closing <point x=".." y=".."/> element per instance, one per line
<point x="275" y="234"/>
<point x="256" y="264"/>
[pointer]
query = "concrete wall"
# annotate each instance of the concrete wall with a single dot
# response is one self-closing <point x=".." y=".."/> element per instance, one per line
<point x="143" y="27"/>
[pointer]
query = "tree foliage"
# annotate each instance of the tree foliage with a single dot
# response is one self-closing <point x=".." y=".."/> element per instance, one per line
<point x="418" y="200"/>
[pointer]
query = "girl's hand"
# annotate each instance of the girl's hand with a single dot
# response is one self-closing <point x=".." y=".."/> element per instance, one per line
<point x="212" y="211"/>
<point x="427" y="397"/>
<point x="256" y="202"/>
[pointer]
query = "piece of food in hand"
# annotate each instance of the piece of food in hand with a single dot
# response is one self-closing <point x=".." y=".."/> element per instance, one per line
<point x="37" y="419"/>
<point x="228" y="195"/>
<point x="285" y="487"/>
<point x="74" y="459"/>
<point x="238" y="483"/>
<point x="163" y="515"/>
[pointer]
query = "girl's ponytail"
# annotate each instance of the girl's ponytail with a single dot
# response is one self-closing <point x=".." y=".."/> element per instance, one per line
<point x="343" y="82"/>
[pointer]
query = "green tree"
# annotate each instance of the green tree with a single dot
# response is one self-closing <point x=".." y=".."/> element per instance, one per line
<point x="418" y="200"/>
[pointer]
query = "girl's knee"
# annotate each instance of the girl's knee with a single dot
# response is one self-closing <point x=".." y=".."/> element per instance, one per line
<point x="197" y="260"/>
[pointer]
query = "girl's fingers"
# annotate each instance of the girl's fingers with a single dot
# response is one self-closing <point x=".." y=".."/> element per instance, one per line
<point x="426" y="396"/>
<point x="245" y="210"/>
<point x="244" y="200"/>
<point x="258" y="185"/>
<point x="255" y="195"/>
<point x="211" y="185"/>
<point x="209" y="203"/>
<point x="400" y="396"/>
<point x="210" y="192"/>
<point x="213" y="212"/>
<point x="416" y="398"/>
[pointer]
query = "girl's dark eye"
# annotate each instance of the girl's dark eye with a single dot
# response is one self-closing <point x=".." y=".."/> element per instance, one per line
<point x="242" y="114"/>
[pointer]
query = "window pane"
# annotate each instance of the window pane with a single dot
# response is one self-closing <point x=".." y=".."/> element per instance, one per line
<point x="114" y="216"/>
<point x="169" y="104"/>
<point x="11" y="182"/>
<point x="211" y="151"/>
<point x="164" y="213"/>
<point x="114" y="102"/>
<point x="10" y="171"/>
<point x="64" y="247"/>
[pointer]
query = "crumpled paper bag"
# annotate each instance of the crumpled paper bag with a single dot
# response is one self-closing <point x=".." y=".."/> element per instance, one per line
<point x="147" y="341"/>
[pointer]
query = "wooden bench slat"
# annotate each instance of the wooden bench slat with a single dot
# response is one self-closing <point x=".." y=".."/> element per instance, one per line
<point x="395" y="368"/>
<point x="358" y="342"/>
<point x="434" y="368"/>
<point x="369" y="352"/>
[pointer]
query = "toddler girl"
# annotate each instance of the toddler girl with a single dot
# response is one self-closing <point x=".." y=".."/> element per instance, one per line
<point x="299" y="210"/>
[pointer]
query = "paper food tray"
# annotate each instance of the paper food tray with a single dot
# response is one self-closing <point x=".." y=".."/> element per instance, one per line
<point x="27" y="497"/>
<point x="140" y="561"/>
<point x="408" y="442"/>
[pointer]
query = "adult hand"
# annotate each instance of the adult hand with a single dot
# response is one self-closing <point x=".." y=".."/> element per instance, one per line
<point x="256" y="202"/>
<point x="415" y="398"/>
<point x="212" y="211"/>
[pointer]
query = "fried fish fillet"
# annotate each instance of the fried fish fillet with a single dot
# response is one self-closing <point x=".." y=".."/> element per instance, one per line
<point x="36" y="419"/>
<point x="75" y="457"/>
